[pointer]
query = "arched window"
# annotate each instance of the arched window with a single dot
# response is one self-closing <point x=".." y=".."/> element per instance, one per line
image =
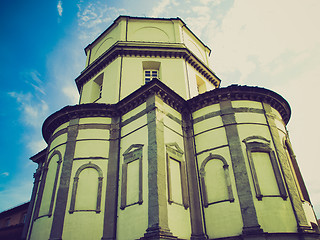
<point x="215" y="180"/>
<point x="131" y="184"/>
<point x="296" y="171"/>
<point x="264" y="167"/>
<point x="86" y="190"/>
<point x="50" y="181"/>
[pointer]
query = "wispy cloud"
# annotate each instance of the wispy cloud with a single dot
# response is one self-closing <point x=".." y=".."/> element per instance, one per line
<point x="4" y="174"/>
<point x="59" y="8"/>
<point x="33" y="110"/>
<point x="160" y="8"/>
<point x="94" y="18"/>
<point x="33" y="78"/>
<point x="71" y="93"/>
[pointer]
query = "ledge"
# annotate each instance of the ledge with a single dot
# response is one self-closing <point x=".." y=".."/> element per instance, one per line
<point x="156" y="87"/>
<point x="170" y="50"/>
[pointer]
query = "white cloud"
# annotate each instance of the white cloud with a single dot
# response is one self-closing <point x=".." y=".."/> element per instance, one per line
<point x="35" y="144"/>
<point x="158" y="10"/>
<point x="4" y="174"/>
<point x="265" y="31"/>
<point x="71" y="92"/>
<point x="59" y="8"/>
<point x="33" y="78"/>
<point x="33" y="110"/>
<point x="94" y="18"/>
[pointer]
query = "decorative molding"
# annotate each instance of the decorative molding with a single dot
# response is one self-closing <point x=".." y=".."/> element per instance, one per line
<point x="295" y="170"/>
<point x="133" y="153"/>
<point x="226" y="176"/>
<point x="140" y="49"/>
<point x="237" y="92"/>
<point x="156" y="87"/>
<point x="175" y="153"/>
<point x="75" y="187"/>
<point x="55" y="179"/>
<point x="252" y="145"/>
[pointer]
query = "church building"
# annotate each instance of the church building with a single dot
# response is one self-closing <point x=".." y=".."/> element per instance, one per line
<point x="156" y="149"/>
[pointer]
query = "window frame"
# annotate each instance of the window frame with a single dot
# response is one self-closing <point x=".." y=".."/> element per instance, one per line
<point x="225" y="166"/>
<point x="75" y="188"/>
<point x="133" y="153"/>
<point x="174" y="152"/>
<point x="151" y="77"/>
<point x="261" y="144"/>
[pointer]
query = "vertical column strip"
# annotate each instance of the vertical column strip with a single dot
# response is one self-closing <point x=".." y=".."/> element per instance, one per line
<point x="63" y="190"/>
<point x="157" y="202"/>
<point x="31" y="204"/>
<point x="248" y="211"/>
<point x="291" y="186"/>
<point x="196" y="211"/>
<point x="111" y="202"/>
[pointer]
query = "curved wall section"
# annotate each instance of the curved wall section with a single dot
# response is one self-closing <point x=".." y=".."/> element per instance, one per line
<point x="222" y="157"/>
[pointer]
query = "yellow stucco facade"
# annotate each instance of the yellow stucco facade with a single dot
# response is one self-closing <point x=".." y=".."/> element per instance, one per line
<point x="156" y="150"/>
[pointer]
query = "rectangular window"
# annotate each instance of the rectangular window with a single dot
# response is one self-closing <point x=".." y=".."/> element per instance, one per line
<point x="97" y="86"/>
<point x="149" y="75"/>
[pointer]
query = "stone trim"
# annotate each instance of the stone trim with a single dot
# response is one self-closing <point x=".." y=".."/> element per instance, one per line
<point x="218" y="113"/>
<point x="137" y="129"/>
<point x="198" y="230"/>
<point x="158" y="226"/>
<point x="75" y="187"/>
<point x="133" y="153"/>
<point x="55" y="179"/>
<point x="91" y="158"/>
<point x="237" y="92"/>
<point x="248" y="211"/>
<point x="302" y="222"/>
<point x="211" y="149"/>
<point x="175" y="152"/>
<point x="111" y="191"/>
<point x="253" y="146"/>
<point x="233" y="92"/>
<point x="27" y="228"/>
<point x="95" y="126"/>
<point x="45" y="169"/>
<point x="58" y="133"/>
<point x="169" y="128"/>
<point x="134" y="49"/>
<point x="226" y="175"/>
<point x="295" y="168"/>
<point x="62" y="195"/>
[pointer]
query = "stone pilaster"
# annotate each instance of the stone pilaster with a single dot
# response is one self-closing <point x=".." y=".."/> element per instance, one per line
<point x="196" y="217"/>
<point x="302" y="223"/>
<point x="248" y="211"/>
<point x="63" y="190"/>
<point x="111" y="202"/>
<point x="157" y="202"/>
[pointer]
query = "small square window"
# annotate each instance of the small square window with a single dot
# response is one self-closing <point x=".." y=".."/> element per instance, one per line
<point x="149" y="75"/>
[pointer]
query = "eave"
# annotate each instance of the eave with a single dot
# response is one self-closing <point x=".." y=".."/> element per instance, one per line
<point x="140" y="49"/>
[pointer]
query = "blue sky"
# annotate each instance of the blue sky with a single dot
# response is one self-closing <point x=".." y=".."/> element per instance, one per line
<point x="268" y="43"/>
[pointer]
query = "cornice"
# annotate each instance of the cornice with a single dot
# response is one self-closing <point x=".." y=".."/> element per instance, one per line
<point x="156" y="87"/>
<point x="77" y="111"/>
<point x="140" y="49"/>
<point x="237" y="92"/>
<point x="40" y="156"/>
